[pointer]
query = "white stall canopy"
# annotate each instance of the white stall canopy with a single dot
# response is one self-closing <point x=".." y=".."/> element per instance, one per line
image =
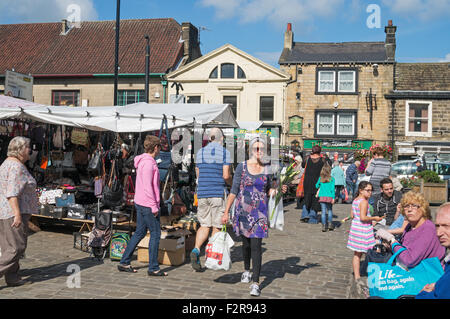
<point x="138" y="117"/>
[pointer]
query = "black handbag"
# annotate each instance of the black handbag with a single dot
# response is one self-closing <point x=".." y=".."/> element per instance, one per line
<point x="113" y="191"/>
<point x="377" y="254"/>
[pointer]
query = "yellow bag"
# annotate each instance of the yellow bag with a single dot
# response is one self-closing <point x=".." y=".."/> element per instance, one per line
<point x="195" y="200"/>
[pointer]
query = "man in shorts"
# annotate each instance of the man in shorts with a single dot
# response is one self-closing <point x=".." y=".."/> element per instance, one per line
<point x="213" y="172"/>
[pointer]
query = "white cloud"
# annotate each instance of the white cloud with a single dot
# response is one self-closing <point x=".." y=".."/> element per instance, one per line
<point x="277" y="12"/>
<point x="446" y="59"/>
<point x="425" y="10"/>
<point x="25" y="11"/>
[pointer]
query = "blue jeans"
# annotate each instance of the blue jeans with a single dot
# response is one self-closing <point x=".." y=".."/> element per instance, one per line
<point x="351" y="189"/>
<point x="310" y="214"/>
<point x="327" y="207"/>
<point x="145" y="220"/>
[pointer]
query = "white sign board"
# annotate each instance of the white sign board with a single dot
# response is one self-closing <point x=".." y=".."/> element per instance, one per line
<point x="19" y="85"/>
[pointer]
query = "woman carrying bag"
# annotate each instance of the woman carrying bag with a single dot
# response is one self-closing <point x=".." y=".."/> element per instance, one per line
<point x="252" y="186"/>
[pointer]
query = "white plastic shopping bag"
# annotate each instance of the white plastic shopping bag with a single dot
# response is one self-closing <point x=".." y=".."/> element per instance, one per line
<point x="218" y="255"/>
<point x="277" y="220"/>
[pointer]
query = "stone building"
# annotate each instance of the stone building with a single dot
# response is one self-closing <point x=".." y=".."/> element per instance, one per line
<point x="336" y="94"/>
<point x="255" y="90"/>
<point x="74" y="65"/>
<point x="420" y="110"/>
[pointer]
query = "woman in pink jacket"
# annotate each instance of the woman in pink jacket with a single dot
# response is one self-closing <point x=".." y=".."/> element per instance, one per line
<point x="147" y="203"/>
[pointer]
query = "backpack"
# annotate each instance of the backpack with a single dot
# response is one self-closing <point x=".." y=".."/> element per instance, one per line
<point x="119" y="243"/>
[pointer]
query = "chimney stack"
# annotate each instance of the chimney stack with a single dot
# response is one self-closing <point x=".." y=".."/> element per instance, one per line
<point x="288" y="37"/>
<point x="390" y="42"/>
<point x="189" y="35"/>
<point x="65" y="26"/>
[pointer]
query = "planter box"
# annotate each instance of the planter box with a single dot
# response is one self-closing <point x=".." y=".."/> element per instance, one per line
<point x="435" y="193"/>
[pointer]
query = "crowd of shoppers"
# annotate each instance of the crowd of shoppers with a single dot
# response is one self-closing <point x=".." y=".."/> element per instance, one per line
<point x="378" y="210"/>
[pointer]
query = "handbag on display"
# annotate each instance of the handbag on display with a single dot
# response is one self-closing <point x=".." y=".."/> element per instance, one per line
<point x="113" y="191"/>
<point x="65" y="200"/>
<point x="80" y="156"/>
<point x="80" y="137"/>
<point x="98" y="186"/>
<point x="129" y="192"/>
<point x="95" y="164"/>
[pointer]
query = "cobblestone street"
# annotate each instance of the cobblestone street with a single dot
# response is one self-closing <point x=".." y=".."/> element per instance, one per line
<point x="299" y="262"/>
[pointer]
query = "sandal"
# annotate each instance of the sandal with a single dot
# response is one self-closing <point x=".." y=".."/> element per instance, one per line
<point x="158" y="273"/>
<point x="126" y="268"/>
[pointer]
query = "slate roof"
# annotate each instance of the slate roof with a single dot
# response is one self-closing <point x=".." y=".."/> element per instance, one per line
<point x="39" y="48"/>
<point x="345" y="52"/>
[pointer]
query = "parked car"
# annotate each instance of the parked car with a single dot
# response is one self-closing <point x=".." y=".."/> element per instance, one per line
<point x="407" y="168"/>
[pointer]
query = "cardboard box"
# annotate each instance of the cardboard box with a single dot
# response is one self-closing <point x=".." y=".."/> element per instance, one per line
<point x="169" y="258"/>
<point x="171" y="249"/>
<point x="170" y="242"/>
<point x="172" y="258"/>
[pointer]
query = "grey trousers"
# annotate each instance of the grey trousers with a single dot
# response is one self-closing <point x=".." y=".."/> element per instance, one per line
<point x="13" y="242"/>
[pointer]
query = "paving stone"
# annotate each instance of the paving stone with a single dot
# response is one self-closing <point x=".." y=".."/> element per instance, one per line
<point x="300" y="262"/>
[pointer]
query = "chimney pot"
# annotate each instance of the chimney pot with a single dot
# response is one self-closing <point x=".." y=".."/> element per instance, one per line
<point x="289" y="26"/>
<point x="390" y="23"/>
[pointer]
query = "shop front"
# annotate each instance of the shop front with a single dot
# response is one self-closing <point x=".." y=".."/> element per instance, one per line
<point x="338" y="148"/>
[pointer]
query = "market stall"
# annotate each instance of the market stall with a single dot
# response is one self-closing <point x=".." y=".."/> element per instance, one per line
<point x="79" y="152"/>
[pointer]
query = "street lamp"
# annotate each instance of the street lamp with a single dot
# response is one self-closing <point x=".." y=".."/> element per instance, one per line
<point x="116" y="63"/>
<point x="147" y="67"/>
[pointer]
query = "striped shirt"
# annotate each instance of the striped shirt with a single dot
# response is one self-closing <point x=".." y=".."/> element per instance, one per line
<point x="379" y="168"/>
<point x="210" y="161"/>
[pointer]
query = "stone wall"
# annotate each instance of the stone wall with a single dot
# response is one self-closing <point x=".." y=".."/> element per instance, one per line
<point x="98" y="91"/>
<point x="380" y="84"/>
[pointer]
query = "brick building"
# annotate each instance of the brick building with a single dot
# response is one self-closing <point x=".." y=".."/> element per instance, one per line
<point x="420" y="105"/>
<point x="336" y="95"/>
<point x="75" y="65"/>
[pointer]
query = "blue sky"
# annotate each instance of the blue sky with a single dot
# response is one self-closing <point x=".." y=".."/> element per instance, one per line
<point x="257" y="26"/>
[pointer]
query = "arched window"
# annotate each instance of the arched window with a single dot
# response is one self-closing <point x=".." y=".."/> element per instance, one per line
<point x="240" y="73"/>
<point x="227" y="71"/>
<point x="213" y="74"/>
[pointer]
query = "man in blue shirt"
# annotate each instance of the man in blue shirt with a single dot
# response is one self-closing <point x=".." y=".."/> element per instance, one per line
<point x="213" y="172"/>
<point x="351" y="177"/>
<point x="440" y="289"/>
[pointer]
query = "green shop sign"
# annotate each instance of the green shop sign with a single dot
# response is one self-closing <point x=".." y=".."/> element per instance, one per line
<point x="338" y="144"/>
<point x="295" y="125"/>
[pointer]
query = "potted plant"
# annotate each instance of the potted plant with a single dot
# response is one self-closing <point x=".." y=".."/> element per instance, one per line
<point x="432" y="187"/>
<point x="408" y="184"/>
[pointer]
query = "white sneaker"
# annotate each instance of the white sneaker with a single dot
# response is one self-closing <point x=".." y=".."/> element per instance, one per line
<point x="246" y="277"/>
<point x="254" y="290"/>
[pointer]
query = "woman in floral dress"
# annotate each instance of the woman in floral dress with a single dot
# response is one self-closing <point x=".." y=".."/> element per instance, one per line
<point x="252" y="186"/>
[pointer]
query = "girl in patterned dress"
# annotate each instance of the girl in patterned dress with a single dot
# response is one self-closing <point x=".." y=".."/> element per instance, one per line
<point x="361" y="237"/>
<point x="252" y="186"/>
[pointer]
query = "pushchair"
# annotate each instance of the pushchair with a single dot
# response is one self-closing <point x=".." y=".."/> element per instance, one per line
<point x="100" y="237"/>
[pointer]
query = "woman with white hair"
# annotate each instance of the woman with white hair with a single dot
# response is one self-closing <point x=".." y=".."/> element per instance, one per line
<point x="18" y="200"/>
